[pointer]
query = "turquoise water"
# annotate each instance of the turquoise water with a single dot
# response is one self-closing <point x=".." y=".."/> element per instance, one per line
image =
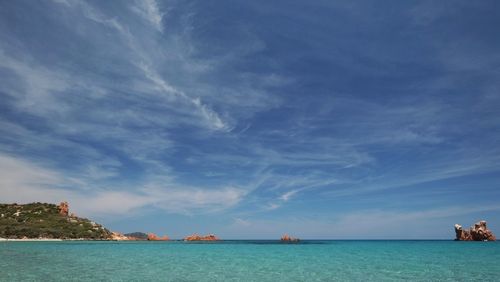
<point x="250" y="261"/>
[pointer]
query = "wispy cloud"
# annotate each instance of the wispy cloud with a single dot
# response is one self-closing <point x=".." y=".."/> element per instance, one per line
<point x="212" y="118"/>
<point x="24" y="181"/>
<point x="149" y="10"/>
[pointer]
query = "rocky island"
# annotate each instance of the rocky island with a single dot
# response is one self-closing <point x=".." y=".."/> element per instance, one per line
<point x="478" y="232"/>
<point x="288" y="239"/>
<point x="196" y="237"/>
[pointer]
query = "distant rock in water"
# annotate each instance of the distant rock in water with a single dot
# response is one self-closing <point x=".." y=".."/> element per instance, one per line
<point x="478" y="232"/>
<point x="153" y="237"/>
<point x="286" y="238"/>
<point x="49" y="221"/>
<point x="196" y="237"/>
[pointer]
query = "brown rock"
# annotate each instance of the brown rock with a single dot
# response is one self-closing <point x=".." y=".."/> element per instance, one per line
<point x="196" y="237"/>
<point x="462" y="235"/>
<point x="478" y="232"/>
<point x="63" y="208"/>
<point x="286" y="238"/>
<point x="153" y="237"/>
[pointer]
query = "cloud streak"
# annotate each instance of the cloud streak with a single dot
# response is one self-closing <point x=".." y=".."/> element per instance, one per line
<point x="23" y="181"/>
<point x="149" y="10"/>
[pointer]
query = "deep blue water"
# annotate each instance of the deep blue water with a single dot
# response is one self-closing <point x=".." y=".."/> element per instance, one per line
<point x="250" y="261"/>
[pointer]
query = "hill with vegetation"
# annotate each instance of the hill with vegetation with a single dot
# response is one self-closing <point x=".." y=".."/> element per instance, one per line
<point x="42" y="220"/>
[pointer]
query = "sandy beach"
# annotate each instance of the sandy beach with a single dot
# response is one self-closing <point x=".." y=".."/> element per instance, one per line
<point x="29" y="240"/>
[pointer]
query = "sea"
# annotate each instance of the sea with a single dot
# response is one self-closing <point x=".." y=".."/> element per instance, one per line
<point x="250" y="260"/>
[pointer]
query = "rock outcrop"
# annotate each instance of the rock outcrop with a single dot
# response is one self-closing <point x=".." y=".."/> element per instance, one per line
<point x="196" y="237"/>
<point x="63" y="208"/>
<point x="154" y="237"/>
<point x="286" y="238"/>
<point x="478" y="232"/>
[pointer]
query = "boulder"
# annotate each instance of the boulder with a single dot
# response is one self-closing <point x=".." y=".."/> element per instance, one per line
<point x="478" y="232"/>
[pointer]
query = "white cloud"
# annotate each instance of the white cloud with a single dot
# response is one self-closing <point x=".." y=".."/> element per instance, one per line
<point x="39" y="85"/>
<point x="288" y="195"/>
<point x="23" y="181"/>
<point x="212" y="118"/>
<point x="145" y="60"/>
<point x="189" y="199"/>
<point x="149" y="10"/>
<point x="14" y="172"/>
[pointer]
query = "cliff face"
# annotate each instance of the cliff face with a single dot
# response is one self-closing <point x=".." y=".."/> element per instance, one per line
<point x="478" y="232"/>
<point x="41" y="220"/>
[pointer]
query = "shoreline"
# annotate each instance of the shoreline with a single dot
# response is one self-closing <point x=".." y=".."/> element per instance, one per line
<point x="31" y="240"/>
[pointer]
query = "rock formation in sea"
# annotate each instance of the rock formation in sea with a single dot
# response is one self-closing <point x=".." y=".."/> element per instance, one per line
<point x="286" y="238"/>
<point x="154" y="237"/>
<point x="196" y="237"/>
<point x="478" y="232"/>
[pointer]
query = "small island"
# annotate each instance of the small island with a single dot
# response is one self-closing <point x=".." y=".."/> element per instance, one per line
<point x="288" y="239"/>
<point x="478" y="232"/>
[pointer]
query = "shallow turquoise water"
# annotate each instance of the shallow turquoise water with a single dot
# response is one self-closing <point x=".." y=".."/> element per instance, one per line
<point x="250" y="261"/>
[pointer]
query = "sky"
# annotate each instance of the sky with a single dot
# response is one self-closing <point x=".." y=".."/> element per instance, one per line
<point x="250" y="119"/>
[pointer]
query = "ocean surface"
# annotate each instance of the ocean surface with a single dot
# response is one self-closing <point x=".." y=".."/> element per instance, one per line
<point x="250" y="261"/>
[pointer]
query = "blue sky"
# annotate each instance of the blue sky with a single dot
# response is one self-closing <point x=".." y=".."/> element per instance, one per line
<point x="249" y="119"/>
